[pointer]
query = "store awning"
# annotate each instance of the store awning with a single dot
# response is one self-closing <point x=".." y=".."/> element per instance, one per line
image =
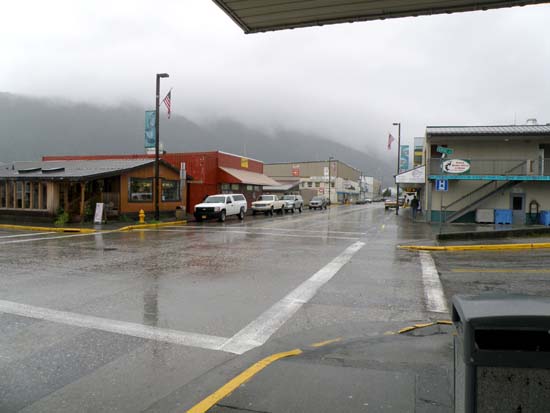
<point x="284" y="186"/>
<point x="264" y="15"/>
<point x="245" y="177"/>
<point x="414" y="176"/>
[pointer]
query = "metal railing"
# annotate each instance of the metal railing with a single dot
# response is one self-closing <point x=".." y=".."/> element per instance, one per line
<point x="540" y="167"/>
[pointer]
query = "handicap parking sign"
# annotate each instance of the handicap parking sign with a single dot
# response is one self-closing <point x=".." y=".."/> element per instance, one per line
<point x="441" y="185"/>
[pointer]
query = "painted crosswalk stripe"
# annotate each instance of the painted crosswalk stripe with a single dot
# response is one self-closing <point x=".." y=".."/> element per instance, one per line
<point x="433" y="291"/>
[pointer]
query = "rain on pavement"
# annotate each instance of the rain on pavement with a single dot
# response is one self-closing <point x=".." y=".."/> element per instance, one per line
<point x="155" y="320"/>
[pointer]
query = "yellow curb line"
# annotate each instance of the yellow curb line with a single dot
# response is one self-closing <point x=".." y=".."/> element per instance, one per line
<point x="488" y="247"/>
<point x="237" y="381"/>
<point x="420" y="325"/>
<point x="159" y="225"/>
<point x="46" y="229"/>
<point x="324" y="343"/>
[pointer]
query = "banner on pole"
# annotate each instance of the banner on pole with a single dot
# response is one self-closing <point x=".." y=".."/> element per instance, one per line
<point x="404" y="158"/>
<point x="150" y="131"/>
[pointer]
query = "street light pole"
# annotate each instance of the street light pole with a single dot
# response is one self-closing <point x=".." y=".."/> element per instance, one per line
<point x="157" y="140"/>
<point x="330" y="158"/>
<point x="398" y="124"/>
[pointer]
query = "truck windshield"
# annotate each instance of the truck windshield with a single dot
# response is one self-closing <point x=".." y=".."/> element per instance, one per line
<point x="215" y="200"/>
<point x="288" y="197"/>
<point x="266" y="198"/>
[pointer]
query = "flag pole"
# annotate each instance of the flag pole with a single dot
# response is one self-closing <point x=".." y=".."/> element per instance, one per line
<point x="398" y="124"/>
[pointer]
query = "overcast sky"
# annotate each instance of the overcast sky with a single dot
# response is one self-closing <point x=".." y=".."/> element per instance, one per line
<point x="348" y="82"/>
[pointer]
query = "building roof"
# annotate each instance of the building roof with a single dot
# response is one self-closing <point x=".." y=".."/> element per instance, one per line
<point x="77" y="170"/>
<point x="513" y="130"/>
<point x="324" y="162"/>
<point x="254" y="16"/>
<point x="283" y="186"/>
<point x="251" y="178"/>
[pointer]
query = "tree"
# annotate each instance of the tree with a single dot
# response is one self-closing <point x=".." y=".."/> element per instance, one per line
<point x="387" y="192"/>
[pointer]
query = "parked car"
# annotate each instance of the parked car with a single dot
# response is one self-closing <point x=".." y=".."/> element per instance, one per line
<point x="362" y="201"/>
<point x="221" y="206"/>
<point x="268" y="204"/>
<point x="318" y="202"/>
<point x="293" y="203"/>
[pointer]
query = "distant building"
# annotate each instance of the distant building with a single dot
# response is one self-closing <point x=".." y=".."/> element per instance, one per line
<point x="315" y="175"/>
<point x="207" y="173"/>
<point x="418" y="154"/>
<point x="370" y="186"/>
<point x="488" y="168"/>
<point x="125" y="186"/>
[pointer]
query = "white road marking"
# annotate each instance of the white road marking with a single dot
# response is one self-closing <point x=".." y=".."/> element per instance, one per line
<point x="25" y="235"/>
<point x="221" y="229"/>
<point x="59" y="237"/>
<point x="115" y="326"/>
<point x="272" y="234"/>
<point x="258" y="331"/>
<point x="433" y="291"/>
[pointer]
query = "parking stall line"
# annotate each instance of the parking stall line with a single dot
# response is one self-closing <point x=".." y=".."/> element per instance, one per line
<point x="114" y="326"/>
<point x="258" y="331"/>
<point x="433" y="290"/>
<point x="25" y="235"/>
<point x="58" y="237"/>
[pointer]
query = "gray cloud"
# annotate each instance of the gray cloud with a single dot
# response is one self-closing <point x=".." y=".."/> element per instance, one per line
<point x="347" y="82"/>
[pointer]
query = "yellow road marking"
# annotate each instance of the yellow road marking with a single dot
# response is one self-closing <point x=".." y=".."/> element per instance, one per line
<point x="324" y="343"/>
<point x="420" y="325"/>
<point x="498" y="270"/>
<point x="242" y="378"/>
<point x="46" y="229"/>
<point x="147" y="226"/>
<point x="488" y="247"/>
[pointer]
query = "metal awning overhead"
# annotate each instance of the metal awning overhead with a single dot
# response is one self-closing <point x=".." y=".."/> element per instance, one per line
<point x="265" y="15"/>
<point x="250" y="178"/>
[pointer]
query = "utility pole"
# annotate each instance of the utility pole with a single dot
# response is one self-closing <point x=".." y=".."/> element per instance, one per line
<point x="330" y="158"/>
<point x="157" y="140"/>
<point x="398" y="124"/>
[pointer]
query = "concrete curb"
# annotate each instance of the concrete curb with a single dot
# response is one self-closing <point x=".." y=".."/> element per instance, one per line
<point x="145" y="226"/>
<point x="488" y="247"/>
<point x="505" y="233"/>
<point x="47" y="229"/>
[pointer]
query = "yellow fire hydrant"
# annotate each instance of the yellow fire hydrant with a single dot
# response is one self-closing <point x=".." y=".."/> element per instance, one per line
<point x="141" y="216"/>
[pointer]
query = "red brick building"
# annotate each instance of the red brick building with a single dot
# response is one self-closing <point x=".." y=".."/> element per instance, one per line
<point x="207" y="173"/>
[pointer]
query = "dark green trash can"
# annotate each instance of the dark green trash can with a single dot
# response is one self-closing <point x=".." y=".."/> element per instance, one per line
<point x="501" y="353"/>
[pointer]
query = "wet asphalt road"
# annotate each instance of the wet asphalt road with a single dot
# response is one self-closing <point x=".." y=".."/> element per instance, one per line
<point x="141" y="321"/>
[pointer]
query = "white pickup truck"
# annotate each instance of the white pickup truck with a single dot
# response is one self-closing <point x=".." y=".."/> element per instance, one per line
<point x="221" y="206"/>
<point x="268" y="204"/>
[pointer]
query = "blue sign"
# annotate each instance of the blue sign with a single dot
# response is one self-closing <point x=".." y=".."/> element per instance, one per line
<point x="404" y="158"/>
<point x="150" y="131"/>
<point x="442" y="185"/>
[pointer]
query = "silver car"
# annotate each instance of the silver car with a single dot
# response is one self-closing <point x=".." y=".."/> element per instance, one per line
<point x="293" y="203"/>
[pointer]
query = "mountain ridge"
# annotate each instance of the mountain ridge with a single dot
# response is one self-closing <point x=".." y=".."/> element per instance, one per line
<point x="35" y="127"/>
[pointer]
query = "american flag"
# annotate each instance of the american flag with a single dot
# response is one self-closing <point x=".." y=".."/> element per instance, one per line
<point x="390" y="140"/>
<point x="168" y="102"/>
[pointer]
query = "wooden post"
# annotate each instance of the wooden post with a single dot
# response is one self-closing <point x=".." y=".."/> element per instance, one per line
<point x="82" y="194"/>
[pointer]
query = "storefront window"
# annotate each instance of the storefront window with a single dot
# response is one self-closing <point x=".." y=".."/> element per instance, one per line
<point x="171" y="191"/>
<point x="44" y="188"/>
<point x="27" y="198"/>
<point x="141" y="190"/>
<point x="310" y="184"/>
<point x="35" y="188"/>
<point x="249" y="188"/>
<point x="234" y="187"/>
<point x="3" y="186"/>
<point x="19" y="195"/>
<point x="9" y="196"/>
<point x="256" y="188"/>
<point x="225" y="187"/>
<point x="317" y="184"/>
